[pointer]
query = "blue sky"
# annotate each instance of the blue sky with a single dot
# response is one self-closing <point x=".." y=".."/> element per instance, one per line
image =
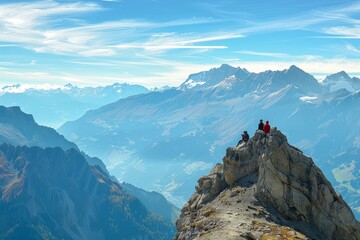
<point x="158" y="42"/>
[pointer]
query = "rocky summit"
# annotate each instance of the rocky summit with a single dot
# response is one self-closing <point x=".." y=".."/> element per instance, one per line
<point x="266" y="189"/>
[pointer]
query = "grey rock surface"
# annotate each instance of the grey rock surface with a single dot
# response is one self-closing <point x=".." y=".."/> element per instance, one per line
<point x="286" y="189"/>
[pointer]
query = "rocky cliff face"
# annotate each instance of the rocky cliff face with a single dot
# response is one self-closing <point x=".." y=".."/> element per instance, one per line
<point x="266" y="189"/>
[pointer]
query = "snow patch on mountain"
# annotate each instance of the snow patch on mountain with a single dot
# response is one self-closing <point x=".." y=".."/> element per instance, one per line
<point x="341" y="83"/>
<point x="192" y="83"/>
<point x="227" y="83"/>
<point x="308" y="99"/>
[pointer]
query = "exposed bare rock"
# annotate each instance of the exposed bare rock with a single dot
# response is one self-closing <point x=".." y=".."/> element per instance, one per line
<point x="266" y="189"/>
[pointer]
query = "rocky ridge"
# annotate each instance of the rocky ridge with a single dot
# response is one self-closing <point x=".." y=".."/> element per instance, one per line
<point x="266" y="189"/>
<point x="55" y="194"/>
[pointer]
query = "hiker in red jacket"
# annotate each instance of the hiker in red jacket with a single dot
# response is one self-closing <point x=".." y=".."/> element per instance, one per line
<point x="266" y="127"/>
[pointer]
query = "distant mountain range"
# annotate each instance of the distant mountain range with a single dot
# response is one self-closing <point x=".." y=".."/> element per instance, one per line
<point x="173" y="137"/>
<point x="52" y="107"/>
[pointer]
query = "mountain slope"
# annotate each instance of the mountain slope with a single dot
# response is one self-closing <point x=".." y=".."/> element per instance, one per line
<point x="154" y="202"/>
<point x="19" y="128"/>
<point x="53" y="194"/>
<point x="265" y="189"/>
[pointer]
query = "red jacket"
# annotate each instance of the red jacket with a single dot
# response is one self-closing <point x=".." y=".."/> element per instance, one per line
<point x="266" y="128"/>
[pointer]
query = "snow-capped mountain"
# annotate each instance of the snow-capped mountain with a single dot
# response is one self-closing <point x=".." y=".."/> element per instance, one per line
<point x="238" y="79"/>
<point x="52" y="106"/>
<point x="341" y="80"/>
<point x="173" y="137"/>
<point x="213" y="77"/>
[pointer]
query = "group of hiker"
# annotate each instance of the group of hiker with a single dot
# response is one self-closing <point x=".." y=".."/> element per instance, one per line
<point x="263" y="127"/>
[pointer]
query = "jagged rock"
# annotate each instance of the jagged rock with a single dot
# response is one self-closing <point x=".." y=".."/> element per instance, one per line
<point x="209" y="187"/>
<point x="269" y="184"/>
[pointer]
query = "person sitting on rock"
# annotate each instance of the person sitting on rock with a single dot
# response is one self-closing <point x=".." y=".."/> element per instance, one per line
<point x="244" y="138"/>
<point x="261" y="125"/>
<point x="266" y="127"/>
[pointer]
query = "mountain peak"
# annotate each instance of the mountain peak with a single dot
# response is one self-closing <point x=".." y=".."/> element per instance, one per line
<point x="69" y="85"/>
<point x="19" y="128"/>
<point x="339" y="74"/>
<point x="294" y="68"/>
<point x="226" y="66"/>
<point x="262" y="187"/>
<point x="341" y="80"/>
<point x="14" y="114"/>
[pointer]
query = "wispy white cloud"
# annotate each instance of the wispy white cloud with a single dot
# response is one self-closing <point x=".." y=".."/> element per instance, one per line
<point x="286" y="56"/>
<point x="334" y="22"/>
<point x="352" y="48"/>
<point x="265" y="54"/>
<point x="27" y="15"/>
<point x="117" y="1"/>
<point x="167" y="47"/>
<point x="99" y="52"/>
<point x="347" y="32"/>
<point x="36" y="27"/>
<point x="351" y="8"/>
<point x="217" y="37"/>
<point x="341" y="21"/>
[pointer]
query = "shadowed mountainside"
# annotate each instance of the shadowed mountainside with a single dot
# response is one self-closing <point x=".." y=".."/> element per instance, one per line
<point x="55" y="194"/>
